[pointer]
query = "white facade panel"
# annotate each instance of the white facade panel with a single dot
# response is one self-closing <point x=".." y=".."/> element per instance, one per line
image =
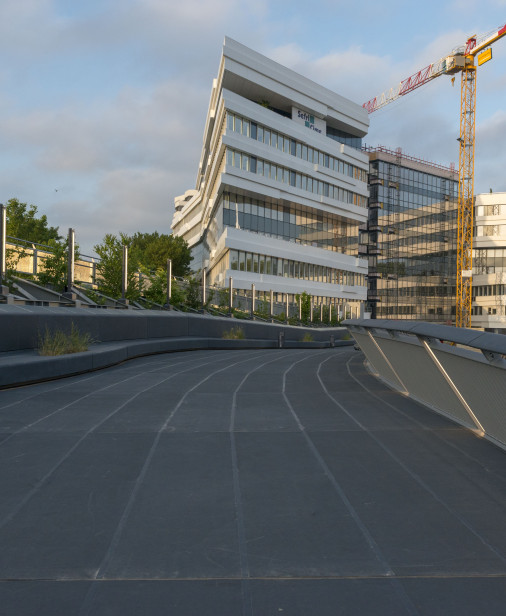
<point x="282" y="179"/>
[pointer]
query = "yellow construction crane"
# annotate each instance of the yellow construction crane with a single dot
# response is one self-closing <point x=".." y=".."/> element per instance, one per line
<point x="460" y="60"/>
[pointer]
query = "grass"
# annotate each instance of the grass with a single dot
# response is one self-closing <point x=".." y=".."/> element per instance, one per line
<point x="60" y="343"/>
<point x="236" y="333"/>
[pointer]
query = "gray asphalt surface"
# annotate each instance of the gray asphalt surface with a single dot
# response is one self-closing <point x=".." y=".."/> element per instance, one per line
<point x="248" y="483"/>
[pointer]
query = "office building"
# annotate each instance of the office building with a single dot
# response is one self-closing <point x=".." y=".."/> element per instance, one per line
<point x="411" y="238"/>
<point x="489" y="263"/>
<point x="281" y="186"/>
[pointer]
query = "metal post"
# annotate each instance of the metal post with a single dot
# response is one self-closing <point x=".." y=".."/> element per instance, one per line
<point x="203" y="288"/>
<point x="231" y="295"/>
<point x="321" y="313"/>
<point x="330" y="313"/>
<point x="70" y="261"/>
<point x="300" y="307"/>
<point x="169" y="281"/>
<point x="35" y="257"/>
<point x="272" y="303"/>
<point x="311" y="307"/>
<point x="3" y="238"/>
<point x="287" y="308"/>
<point x="252" y="299"/>
<point x="124" y="273"/>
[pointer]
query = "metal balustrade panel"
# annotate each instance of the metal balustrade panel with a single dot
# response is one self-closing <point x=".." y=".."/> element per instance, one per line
<point x="483" y="386"/>
<point x="422" y="378"/>
<point x="376" y="360"/>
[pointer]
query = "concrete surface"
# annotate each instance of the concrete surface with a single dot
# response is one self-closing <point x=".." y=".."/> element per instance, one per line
<point x="250" y="483"/>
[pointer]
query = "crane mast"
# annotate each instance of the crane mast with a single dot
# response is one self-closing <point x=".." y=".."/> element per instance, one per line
<point x="460" y="60"/>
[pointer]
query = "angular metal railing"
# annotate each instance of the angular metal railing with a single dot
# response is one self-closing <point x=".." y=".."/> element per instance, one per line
<point x="460" y="373"/>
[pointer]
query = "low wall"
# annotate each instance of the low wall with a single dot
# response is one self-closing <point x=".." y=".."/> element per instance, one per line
<point x="461" y="373"/>
<point x="21" y="326"/>
<point x="119" y="335"/>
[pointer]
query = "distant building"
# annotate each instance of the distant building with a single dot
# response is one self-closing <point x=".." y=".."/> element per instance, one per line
<point x="281" y="186"/>
<point x="489" y="263"/>
<point x="410" y="238"/>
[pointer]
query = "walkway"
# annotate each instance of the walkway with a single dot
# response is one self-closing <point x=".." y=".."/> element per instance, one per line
<point x="244" y="483"/>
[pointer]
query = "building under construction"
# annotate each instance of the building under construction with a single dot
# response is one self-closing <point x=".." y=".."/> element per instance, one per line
<point x="410" y="238"/>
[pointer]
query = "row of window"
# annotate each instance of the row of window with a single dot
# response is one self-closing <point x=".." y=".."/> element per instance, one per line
<point x="246" y="162"/>
<point x="489" y="210"/>
<point x="296" y="148"/>
<point x="489" y="261"/>
<point x="488" y="290"/>
<point x="490" y="230"/>
<point x="274" y="266"/>
<point x="397" y="172"/>
<point x="294" y="223"/>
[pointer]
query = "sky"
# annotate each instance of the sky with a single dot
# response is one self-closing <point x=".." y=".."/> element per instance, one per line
<point x="103" y="102"/>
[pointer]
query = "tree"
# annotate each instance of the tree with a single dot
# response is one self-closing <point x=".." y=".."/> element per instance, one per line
<point x="151" y="250"/>
<point x="110" y="267"/>
<point x="55" y="265"/>
<point x="23" y="223"/>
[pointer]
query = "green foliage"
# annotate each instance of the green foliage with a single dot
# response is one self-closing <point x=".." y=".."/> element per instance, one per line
<point x="110" y="267"/>
<point x="263" y="309"/>
<point x="55" y="265"/>
<point x="279" y="317"/>
<point x="223" y="298"/>
<point x="177" y="295"/>
<point x="236" y="333"/>
<point x="305" y="300"/>
<point x="156" y="288"/>
<point x="193" y="298"/>
<point x="307" y="337"/>
<point x="12" y="258"/>
<point x="23" y="223"/>
<point x="60" y="343"/>
<point x="151" y="251"/>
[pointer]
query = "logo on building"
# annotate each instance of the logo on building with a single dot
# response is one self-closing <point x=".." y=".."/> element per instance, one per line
<point x="309" y="120"/>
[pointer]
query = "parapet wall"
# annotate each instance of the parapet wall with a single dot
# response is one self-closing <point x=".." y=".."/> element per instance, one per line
<point x="21" y="326"/>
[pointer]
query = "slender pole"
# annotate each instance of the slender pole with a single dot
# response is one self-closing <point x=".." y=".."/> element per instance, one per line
<point x="124" y="273"/>
<point x="330" y="313"/>
<point x="70" y="260"/>
<point x="321" y="312"/>
<point x="300" y="307"/>
<point x="252" y="299"/>
<point x="3" y="237"/>
<point x="203" y="287"/>
<point x="272" y="303"/>
<point x="169" y="281"/>
<point x="287" y="308"/>
<point x="231" y="295"/>
<point x="311" y="306"/>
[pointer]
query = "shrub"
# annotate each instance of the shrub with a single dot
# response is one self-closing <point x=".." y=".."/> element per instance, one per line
<point x="236" y="333"/>
<point x="60" y="343"/>
<point x="307" y="337"/>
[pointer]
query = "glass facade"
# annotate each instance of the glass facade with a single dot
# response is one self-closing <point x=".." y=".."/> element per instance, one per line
<point x="293" y="222"/>
<point x="411" y="240"/>
<point x="261" y="133"/>
<point x="275" y="266"/>
<point x="285" y="175"/>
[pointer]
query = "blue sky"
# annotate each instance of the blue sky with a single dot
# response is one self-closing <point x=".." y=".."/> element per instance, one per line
<point x="103" y="102"/>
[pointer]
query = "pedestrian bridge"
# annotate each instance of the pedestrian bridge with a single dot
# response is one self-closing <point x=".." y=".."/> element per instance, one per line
<point x="288" y="481"/>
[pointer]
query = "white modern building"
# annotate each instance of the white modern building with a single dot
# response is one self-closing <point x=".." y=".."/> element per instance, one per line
<point x="281" y="187"/>
<point x="489" y="263"/>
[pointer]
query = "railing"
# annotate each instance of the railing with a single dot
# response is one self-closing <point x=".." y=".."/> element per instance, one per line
<point x="460" y="373"/>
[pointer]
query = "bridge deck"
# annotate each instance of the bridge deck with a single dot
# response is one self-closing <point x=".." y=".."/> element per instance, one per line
<point x="244" y="483"/>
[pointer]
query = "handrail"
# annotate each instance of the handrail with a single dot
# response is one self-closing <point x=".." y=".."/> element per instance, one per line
<point x="484" y="341"/>
<point x="458" y="372"/>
